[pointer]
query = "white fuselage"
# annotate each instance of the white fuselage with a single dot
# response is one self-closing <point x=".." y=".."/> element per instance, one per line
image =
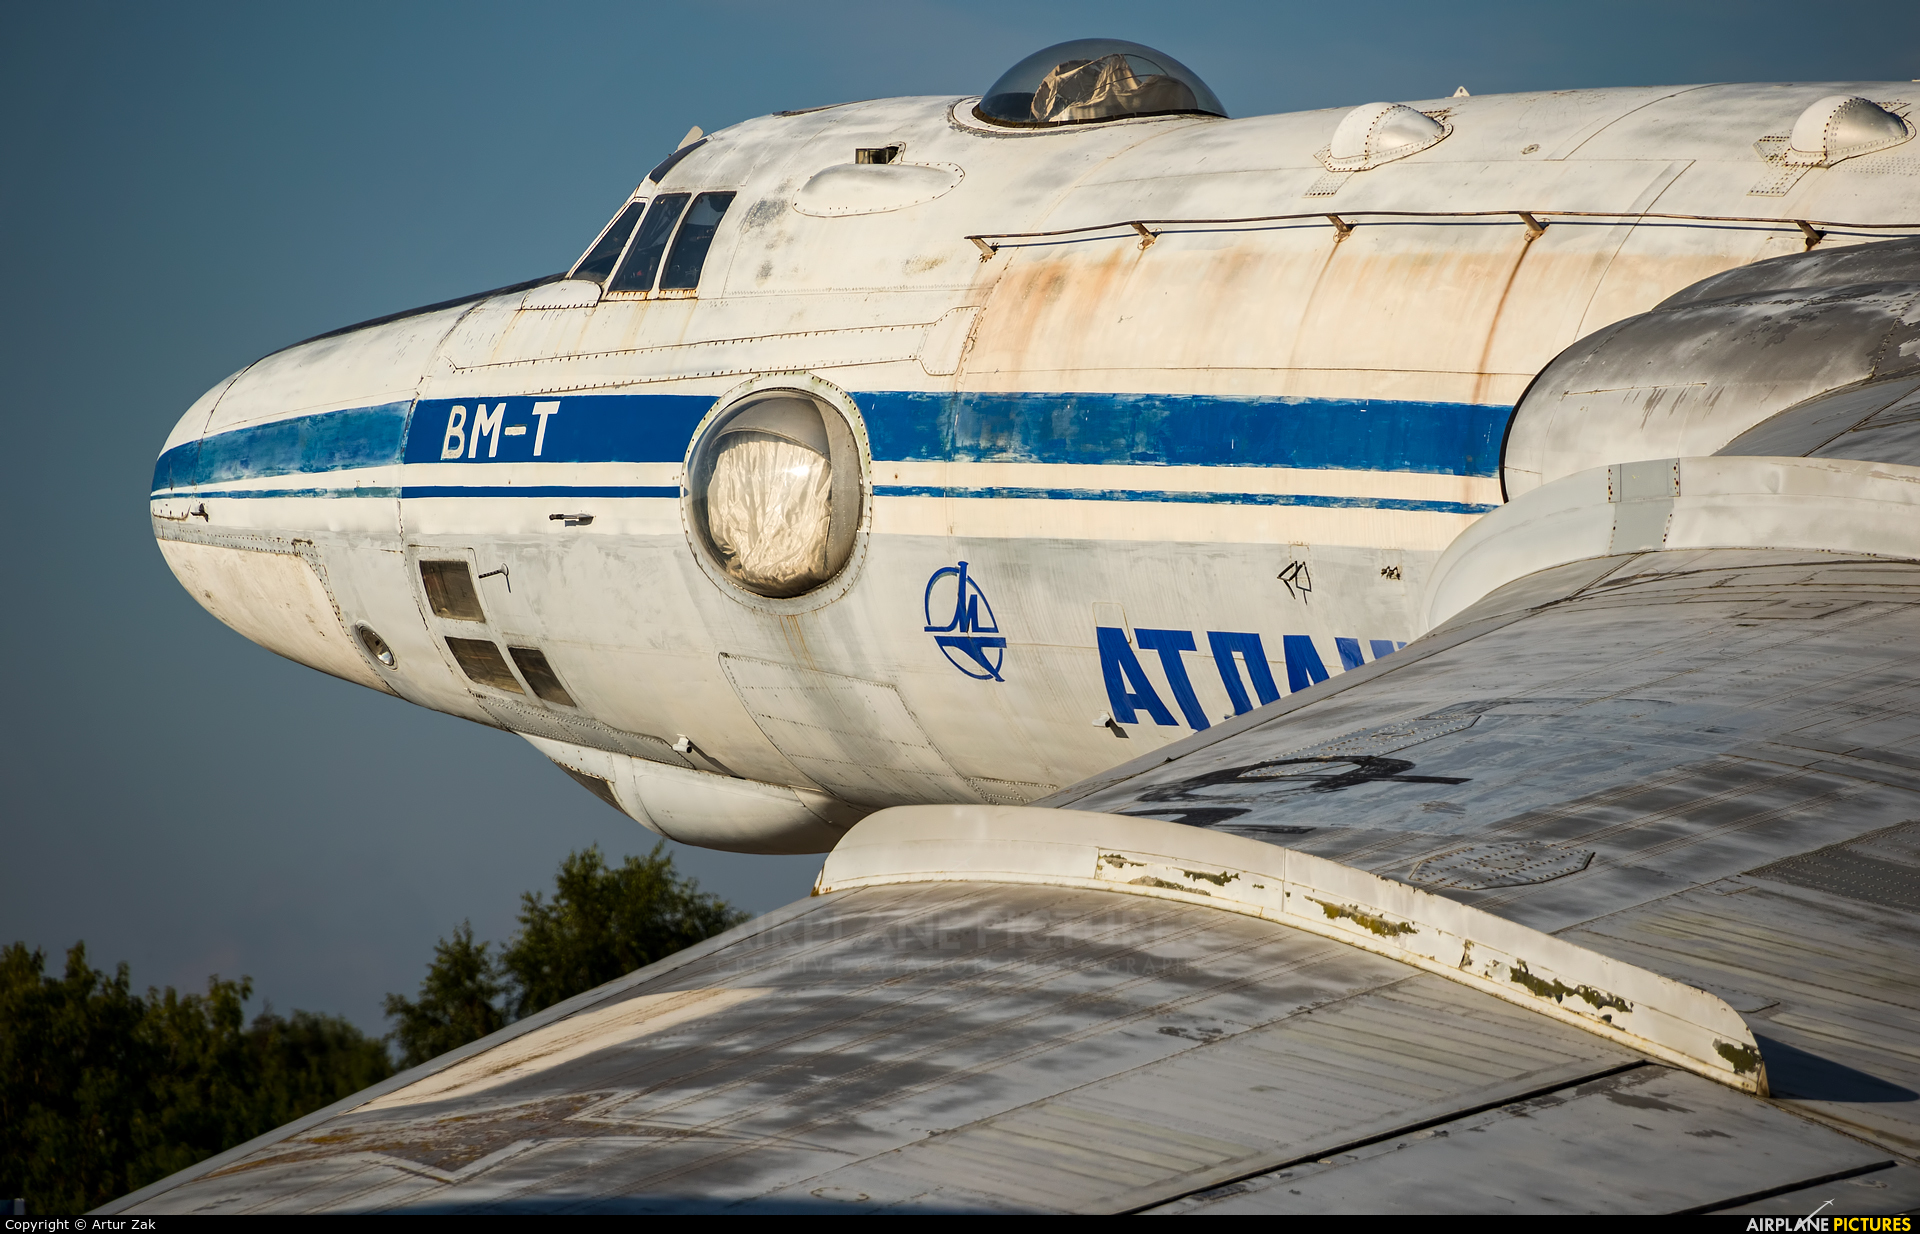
<point x="1237" y="447"/>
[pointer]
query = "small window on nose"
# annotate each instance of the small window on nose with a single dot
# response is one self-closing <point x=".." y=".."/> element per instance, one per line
<point x="376" y="646"/>
<point x="540" y="675"/>
<point x="482" y="661"/>
<point x="450" y="591"/>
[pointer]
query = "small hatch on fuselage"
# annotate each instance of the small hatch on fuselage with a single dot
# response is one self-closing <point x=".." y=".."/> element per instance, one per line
<point x="540" y="675"/>
<point x="481" y="660"/>
<point x="450" y="590"/>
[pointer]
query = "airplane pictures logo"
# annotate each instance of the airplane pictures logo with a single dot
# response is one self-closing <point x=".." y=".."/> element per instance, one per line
<point x="971" y="630"/>
<point x="1815" y="1223"/>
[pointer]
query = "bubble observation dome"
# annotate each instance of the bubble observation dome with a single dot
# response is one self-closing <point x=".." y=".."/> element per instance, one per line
<point x="1086" y="81"/>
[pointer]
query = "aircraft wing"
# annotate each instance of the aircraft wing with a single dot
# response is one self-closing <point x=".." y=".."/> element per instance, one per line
<point x="1682" y="781"/>
<point x="1703" y="763"/>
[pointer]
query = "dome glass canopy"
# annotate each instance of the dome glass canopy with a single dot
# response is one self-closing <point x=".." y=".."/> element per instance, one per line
<point x="1085" y="81"/>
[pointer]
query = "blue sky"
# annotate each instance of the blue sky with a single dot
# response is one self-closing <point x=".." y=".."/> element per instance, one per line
<point x="190" y="186"/>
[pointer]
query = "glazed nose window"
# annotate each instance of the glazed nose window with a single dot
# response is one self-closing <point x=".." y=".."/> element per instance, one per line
<point x="774" y="496"/>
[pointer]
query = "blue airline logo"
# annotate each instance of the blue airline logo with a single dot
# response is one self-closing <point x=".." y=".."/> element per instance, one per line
<point x="971" y="631"/>
<point x="1130" y="691"/>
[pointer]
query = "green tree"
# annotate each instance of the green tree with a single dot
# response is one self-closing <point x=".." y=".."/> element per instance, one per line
<point x="71" y="1056"/>
<point x="103" y="1091"/>
<point x="604" y="922"/>
<point x="457" y="1004"/>
<point x="308" y="1061"/>
<point x="200" y="1077"/>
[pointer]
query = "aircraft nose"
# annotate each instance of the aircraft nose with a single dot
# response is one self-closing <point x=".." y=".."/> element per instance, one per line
<point x="176" y="473"/>
<point x="234" y="514"/>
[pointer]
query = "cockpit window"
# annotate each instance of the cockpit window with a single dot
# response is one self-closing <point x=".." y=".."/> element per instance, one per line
<point x="643" y="256"/>
<point x="695" y="238"/>
<point x="598" y="263"/>
<point x="1088" y="80"/>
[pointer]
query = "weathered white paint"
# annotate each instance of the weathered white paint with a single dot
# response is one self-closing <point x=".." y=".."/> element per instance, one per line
<point x="1656" y="1015"/>
<point x="708" y="809"/>
<point x="275" y="599"/>
<point x="857" y="188"/>
<point x="565" y="294"/>
<point x="574" y="1038"/>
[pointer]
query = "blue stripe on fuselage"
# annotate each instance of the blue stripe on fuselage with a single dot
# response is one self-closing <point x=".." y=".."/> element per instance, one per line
<point x="1179" y="497"/>
<point x="542" y="490"/>
<point x="1187" y="430"/>
<point x="301" y="445"/>
<point x="1140" y="429"/>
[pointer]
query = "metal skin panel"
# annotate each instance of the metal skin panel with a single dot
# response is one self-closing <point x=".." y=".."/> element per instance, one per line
<point x="894" y="1047"/>
<point x="1830" y="978"/>
<point x="1714" y="361"/>
<point x="1856" y="422"/>
<point x="1413" y="1052"/>
<point x="1728" y="501"/>
<point x="663" y="792"/>
<point x="1161" y="431"/>
<point x="853" y="738"/>
<point x="369" y="367"/>
<point x="190" y="427"/>
<point x="1685" y="717"/>
<point x="1632" y="1007"/>
<point x="274" y="598"/>
<point x="982" y="1046"/>
<point x="1640" y="1141"/>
